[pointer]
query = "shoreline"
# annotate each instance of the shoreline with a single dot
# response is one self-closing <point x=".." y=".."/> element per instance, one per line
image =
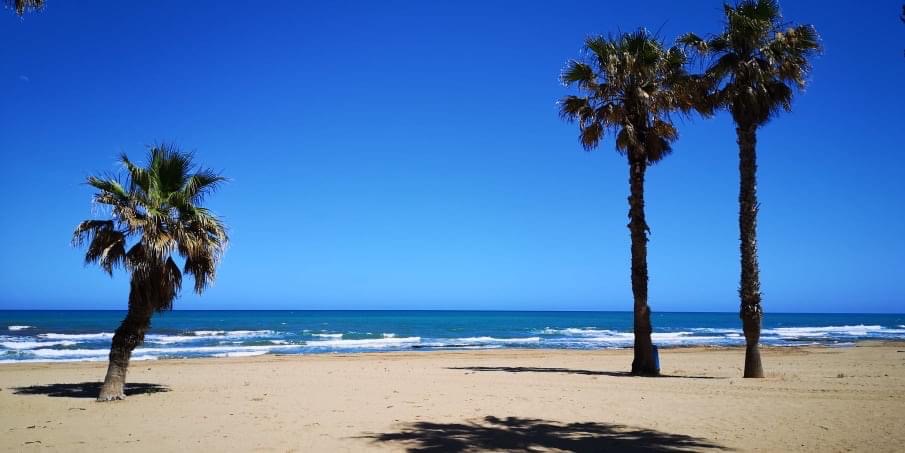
<point x="469" y="350"/>
<point x="814" y="398"/>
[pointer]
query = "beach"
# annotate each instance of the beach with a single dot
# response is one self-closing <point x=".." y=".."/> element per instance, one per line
<point x="813" y="399"/>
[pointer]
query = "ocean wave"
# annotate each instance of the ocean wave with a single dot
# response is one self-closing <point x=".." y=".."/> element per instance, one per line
<point x="497" y="340"/>
<point x="373" y="343"/>
<point x="576" y="331"/>
<point x="156" y="352"/>
<point x="476" y="342"/>
<point x="17" y="328"/>
<point x="172" y="339"/>
<point x="233" y="333"/>
<point x="240" y="354"/>
<point x="77" y="336"/>
<point x="81" y="359"/>
<point x="716" y="330"/>
<point x="164" y="339"/>
<point x="832" y="331"/>
<point x="327" y="335"/>
<point x="35" y="344"/>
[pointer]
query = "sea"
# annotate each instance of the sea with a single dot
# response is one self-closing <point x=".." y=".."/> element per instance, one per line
<point x="85" y="335"/>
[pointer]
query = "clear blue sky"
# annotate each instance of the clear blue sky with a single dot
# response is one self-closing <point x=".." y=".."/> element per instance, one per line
<point x="409" y="155"/>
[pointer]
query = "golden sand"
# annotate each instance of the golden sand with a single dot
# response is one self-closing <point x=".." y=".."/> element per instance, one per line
<point x="814" y="399"/>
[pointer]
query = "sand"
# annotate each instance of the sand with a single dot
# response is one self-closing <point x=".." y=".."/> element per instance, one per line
<point x="814" y="399"/>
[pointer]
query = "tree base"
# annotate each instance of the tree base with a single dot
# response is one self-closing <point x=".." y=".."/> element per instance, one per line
<point x="114" y="383"/>
<point x="111" y="397"/>
<point x="645" y="373"/>
<point x="753" y="366"/>
<point x="111" y="391"/>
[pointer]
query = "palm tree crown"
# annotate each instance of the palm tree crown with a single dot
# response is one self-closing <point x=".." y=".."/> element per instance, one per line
<point x="21" y="6"/>
<point x="630" y="84"/>
<point x="756" y="61"/>
<point x="158" y="210"/>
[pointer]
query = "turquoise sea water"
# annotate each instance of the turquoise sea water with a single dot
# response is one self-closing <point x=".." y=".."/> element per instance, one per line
<point x="85" y="335"/>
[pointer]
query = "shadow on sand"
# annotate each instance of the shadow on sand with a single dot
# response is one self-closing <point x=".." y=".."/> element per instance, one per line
<point x="521" y="434"/>
<point x="524" y="369"/>
<point x="86" y="389"/>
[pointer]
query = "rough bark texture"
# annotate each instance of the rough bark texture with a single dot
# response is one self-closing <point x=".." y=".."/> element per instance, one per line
<point x="643" y="363"/>
<point x="749" y="288"/>
<point x="128" y="336"/>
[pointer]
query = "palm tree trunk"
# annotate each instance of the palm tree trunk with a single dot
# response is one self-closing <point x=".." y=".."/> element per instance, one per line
<point x="749" y="289"/>
<point x="643" y="364"/>
<point x="128" y="336"/>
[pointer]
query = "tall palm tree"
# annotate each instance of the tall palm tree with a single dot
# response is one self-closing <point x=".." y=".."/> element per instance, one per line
<point x="21" y="6"/>
<point x="628" y="85"/>
<point x="755" y="64"/>
<point x="157" y="212"/>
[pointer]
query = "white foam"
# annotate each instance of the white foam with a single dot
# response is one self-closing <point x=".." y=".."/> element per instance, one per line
<point x="327" y="335"/>
<point x="717" y="330"/>
<point x="88" y="359"/>
<point x="208" y="333"/>
<point x="389" y="335"/>
<point x="495" y="340"/>
<point x="171" y="339"/>
<point x="233" y="333"/>
<point x="200" y="335"/>
<point x="77" y="337"/>
<point x="35" y="344"/>
<point x="240" y="354"/>
<point x="101" y="354"/>
<point x="577" y="331"/>
<point x="15" y="328"/>
<point x="374" y="343"/>
<point x="69" y="353"/>
<point x="851" y="331"/>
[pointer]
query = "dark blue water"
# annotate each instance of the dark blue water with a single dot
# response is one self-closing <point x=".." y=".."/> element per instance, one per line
<point x="85" y="335"/>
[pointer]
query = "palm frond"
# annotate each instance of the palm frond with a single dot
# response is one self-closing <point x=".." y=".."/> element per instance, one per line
<point x="578" y="73"/>
<point x="693" y="41"/>
<point x="157" y="209"/>
<point x="590" y="135"/>
<point x="201" y="184"/>
<point x="628" y="82"/>
<point x="22" y="6"/>
<point x="754" y="54"/>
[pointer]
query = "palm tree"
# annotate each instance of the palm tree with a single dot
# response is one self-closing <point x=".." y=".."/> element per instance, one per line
<point x="629" y="84"/>
<point x="155" y="213"/>
<point x="755" y="65"/>
<point x="21" y="6"/>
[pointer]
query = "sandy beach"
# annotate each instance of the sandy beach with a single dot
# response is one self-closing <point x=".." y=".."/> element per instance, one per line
<point x="814" y="399"/>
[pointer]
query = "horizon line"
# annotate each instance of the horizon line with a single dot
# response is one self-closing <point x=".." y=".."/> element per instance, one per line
<point x="458" y="310"/>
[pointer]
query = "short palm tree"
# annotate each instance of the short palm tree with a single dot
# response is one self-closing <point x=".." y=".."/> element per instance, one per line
<point x="21" y="6"/>
<point x="628" y="85"/>
<point x="154" y="214"/>
<point x="755" y="65"/>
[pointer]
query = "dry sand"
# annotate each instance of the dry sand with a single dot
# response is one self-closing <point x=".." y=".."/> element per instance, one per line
<point x="814" y="399"/>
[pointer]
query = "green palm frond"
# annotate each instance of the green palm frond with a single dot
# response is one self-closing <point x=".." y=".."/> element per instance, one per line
<point x="627" y="84"/>
<point x="756" y="61"/>
<point x="201" y="184"/>
<point x="693" y="41"/>
<point x="22" y="6"/>
<point x="158" y="210"/>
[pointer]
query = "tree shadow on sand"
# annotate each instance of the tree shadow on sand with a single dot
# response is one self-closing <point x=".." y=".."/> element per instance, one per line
<point x="87" y="389"/>
<point x="522" y="434"/>
<point x="528" y="369"/>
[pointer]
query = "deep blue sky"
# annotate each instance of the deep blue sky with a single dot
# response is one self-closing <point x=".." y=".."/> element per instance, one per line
<point x="409" y="155"/>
